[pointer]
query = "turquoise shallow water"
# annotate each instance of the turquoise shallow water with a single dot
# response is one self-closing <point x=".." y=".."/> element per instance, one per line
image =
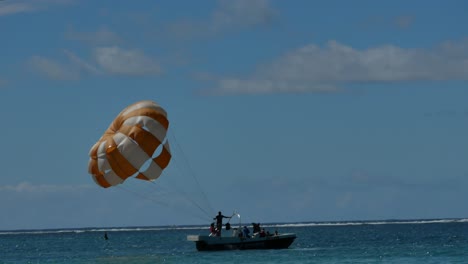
<point x="426" y="241"/>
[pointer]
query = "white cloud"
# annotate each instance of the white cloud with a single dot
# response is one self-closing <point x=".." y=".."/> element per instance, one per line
<point x="69" y="70"/>
<point x="103" y="36"/>
<point x="228" y="15"/>
<point x="82" y="64"/>
<point x="404" y="21"/>
<point x="241" y="13"/>
<point x="26" y="187"/>
<point x="115" y="60"/>
<point x="340" y="63"/>
<point x="53" y="69"/>
<point x="18" y="6"/>
<point x="326" y="69"/>
<point x="105" y="60"/>
<point x="7" y="8"/>
<point x="380" y="23"/>
<point x="263" y="86"/>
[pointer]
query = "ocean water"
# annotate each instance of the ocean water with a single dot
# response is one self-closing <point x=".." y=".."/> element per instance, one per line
<point x="424" y="241"/>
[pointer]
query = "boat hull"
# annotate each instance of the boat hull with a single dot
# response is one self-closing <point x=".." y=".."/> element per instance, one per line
<point x="207" y="243"/>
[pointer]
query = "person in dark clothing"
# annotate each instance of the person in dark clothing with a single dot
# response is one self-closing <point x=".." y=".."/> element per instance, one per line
<point x="246" y="232"/>
<point x="256" y="228"/>
<point x="219" y="222"/>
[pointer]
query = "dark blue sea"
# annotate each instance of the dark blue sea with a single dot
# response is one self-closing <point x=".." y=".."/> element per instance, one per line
<point x="416" y="241"/>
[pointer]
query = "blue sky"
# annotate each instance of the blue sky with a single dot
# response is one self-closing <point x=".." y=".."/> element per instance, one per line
<point x="282" y="110"/>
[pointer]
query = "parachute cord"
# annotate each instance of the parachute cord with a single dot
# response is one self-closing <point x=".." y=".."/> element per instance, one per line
<point x="191" y="172"/>
<point x="181" y="193"/>
<point x="147" y="197"/>
<point x="140" y="195"/>
<point x="184" y="195"/>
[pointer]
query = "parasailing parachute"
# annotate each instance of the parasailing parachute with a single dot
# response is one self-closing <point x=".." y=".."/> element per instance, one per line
<point x="135" y="144"/>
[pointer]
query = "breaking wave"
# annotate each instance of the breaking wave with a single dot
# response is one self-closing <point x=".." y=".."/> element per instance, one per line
<point x="202" y="227"/>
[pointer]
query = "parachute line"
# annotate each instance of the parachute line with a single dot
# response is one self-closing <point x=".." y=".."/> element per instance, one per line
<point x="190" y="170"/>
<point x="158" y="201"/>
<point x="184" y="195"/>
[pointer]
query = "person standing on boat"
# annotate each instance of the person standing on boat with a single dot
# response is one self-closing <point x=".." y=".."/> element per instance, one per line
<point x="219" y="221"/>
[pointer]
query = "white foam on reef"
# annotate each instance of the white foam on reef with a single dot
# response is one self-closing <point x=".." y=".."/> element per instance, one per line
<point x="113" y="229"/>
<point x="356" y="223"/>
<point x="288" y="225"/>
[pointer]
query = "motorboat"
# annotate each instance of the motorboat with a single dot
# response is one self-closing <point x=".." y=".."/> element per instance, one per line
<point x="235" y="239"/>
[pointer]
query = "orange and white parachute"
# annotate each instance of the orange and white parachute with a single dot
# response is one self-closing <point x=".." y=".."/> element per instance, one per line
<point x="136" y="137"/>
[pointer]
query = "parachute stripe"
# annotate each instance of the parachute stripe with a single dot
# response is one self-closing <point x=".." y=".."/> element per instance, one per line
<point x="163" y="159"/>
<point x="128" y="143"/>
<point x="145" y="139"/>
<point x="93" y="167"/>
<point x="151" y="125"/>
<point x="153" y="172"/>
<point x="134" y="154"/>
<point x="112" y="178"/>
<point x="144" y="104"/>
<point x="131" y="151"/>
<point x="150" y="113"/>
<point x="99" y="179"/>
<point x="118" y="163"/>
<point x="103" y="164"/>
<point x="142" y="177"/>
<point x="93" y="151"/>
<point x="102" y="180"/>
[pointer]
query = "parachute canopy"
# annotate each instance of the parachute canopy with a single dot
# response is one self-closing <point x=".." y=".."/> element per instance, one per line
<point x="135" y="139"/>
